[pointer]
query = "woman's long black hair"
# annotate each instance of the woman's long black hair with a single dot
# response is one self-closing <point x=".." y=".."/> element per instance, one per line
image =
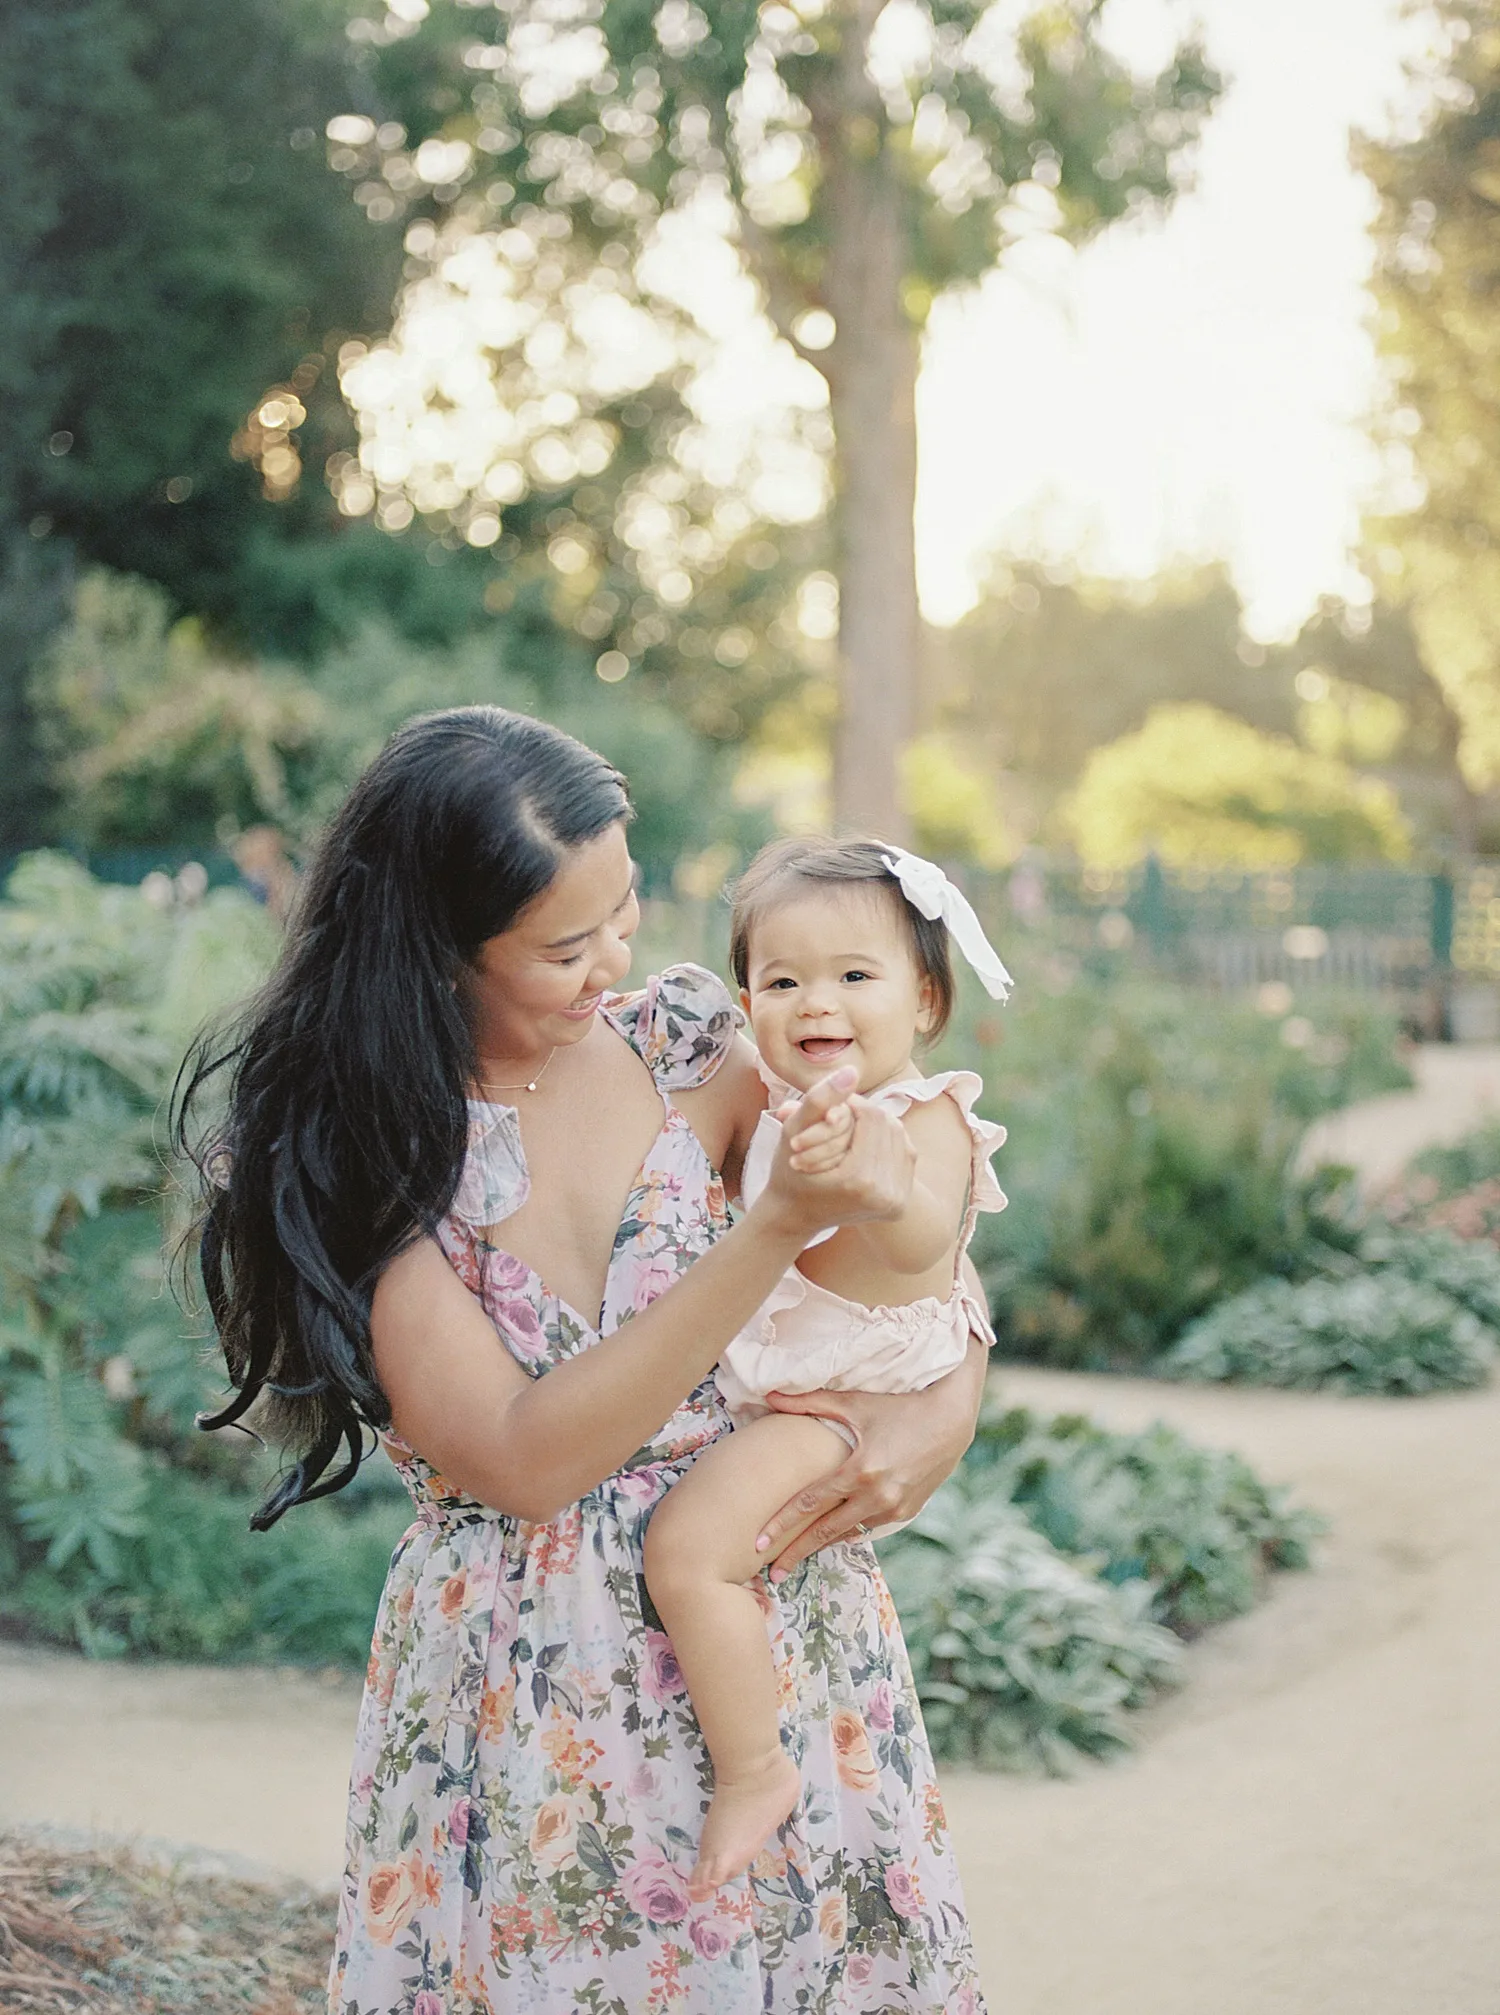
<point x="346" y="1124"/>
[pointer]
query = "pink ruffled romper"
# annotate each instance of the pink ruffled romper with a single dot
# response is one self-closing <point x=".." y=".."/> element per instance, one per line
<point x="805" y="1338"/>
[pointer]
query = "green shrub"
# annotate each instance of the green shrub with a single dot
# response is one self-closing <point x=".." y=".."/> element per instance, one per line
<point x="1021" y="1656"/>
<point x="193" y="1581"/>
<point x="1466" y="1269"/>
<point x="1041" y="1587"/>
<point x="98" y="1377"/>
<point x="1150" y="1161"/>
<point x="1197" y="1523"/>
<point x="1472" y="1160"/>
<point x="1376" y="1332"/>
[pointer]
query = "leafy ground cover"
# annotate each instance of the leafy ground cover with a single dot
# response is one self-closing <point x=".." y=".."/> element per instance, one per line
<point x="98" y="1932"/>
<point x="1403" y="1313"/>
<point x="1454" y="1189"/>
<point x="1045" y="1589"/>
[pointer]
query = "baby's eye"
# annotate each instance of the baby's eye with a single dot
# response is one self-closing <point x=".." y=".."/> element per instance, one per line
<point x="856" y="973"/>
<point x="773" y="986"/>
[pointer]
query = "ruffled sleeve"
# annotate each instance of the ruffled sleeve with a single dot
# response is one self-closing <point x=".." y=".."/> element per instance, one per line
<point x="963" y="1087"/>
<point x="495" y="1180"/>
<point x="681" y="1025"/>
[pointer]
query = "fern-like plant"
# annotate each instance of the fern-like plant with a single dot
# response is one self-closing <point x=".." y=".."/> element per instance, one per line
<point x="97" y="1369"/>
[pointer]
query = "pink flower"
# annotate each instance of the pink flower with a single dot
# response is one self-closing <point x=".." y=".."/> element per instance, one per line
<point x="860" y="1969"/>
<point x="661" y="1675"/>
<point x="711" y="1940"/>
<point x="523" y="1326"/>
<point x="654" y="1890"/>
<point x="501" y="1270"/>
<point x="427" y="2003"/>
<point x="641" y="1783"/>
<point x="458" y="1822"/>
<point x="901" y="1888"/>
<point x="654" y="1278"/>
<point x="637" y="1485"/>
<point x="880" y="1706"/>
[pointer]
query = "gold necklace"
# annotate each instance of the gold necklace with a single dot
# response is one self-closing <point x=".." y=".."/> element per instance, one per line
<point x="530" y="1085"/>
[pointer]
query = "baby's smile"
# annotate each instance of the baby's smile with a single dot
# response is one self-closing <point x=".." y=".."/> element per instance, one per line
<point x="824" y="1048"/>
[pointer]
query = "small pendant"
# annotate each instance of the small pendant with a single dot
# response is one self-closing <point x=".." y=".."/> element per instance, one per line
<point x="532" y="1085"/>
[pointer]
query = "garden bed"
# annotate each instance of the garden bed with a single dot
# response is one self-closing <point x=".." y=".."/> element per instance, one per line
<point x="100" y="1932"/>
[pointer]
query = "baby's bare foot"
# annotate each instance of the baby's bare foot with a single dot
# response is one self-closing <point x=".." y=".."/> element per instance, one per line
<point x="744" y="1814"/>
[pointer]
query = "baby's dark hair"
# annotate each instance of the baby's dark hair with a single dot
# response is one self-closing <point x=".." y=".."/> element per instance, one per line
<point x="780" y="871"/>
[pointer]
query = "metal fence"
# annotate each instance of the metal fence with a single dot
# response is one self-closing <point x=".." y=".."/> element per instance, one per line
<point x="1422" y="937"/>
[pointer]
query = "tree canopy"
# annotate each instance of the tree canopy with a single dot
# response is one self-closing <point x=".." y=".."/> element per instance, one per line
<point x="1438" y="268"/>
<point x="861" y="158"/>
<point x="174" y="257"/>
<point x="1203" y="789"/>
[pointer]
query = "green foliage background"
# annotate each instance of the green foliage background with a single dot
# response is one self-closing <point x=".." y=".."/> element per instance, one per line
<point x="1149" y="1164"/>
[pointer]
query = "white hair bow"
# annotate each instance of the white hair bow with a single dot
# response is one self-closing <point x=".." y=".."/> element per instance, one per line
<point x="929" y="890"/>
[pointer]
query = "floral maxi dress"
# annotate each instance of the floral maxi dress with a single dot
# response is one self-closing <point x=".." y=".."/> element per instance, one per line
<point x="529" y="1780"/>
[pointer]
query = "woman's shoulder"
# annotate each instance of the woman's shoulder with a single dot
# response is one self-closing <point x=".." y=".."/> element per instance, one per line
<point x="682" y="1024"/>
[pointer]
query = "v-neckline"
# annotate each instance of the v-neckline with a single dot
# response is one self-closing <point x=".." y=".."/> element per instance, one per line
<point x="637" y="1183"/>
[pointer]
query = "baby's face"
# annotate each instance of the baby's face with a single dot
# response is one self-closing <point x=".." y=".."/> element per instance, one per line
<point x="832" y="981"/>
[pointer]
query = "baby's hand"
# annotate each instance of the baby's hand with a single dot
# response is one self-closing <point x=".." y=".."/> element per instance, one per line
<point x="821" y="1147"/>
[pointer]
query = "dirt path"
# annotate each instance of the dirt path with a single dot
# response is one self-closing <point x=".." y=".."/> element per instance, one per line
<point x="1457" y="1088"/>
<point x="1312" y="1827"/>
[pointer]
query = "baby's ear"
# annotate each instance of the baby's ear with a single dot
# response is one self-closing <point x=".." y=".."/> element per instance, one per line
<point x="745" y="1001"/>
<point x="927" y="1004"/>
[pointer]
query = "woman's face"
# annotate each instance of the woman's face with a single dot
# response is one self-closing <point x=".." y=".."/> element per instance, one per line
<point x="537" y="986"/>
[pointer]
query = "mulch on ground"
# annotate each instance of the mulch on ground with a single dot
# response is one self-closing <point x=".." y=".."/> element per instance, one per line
<point x="100" y="1932"/>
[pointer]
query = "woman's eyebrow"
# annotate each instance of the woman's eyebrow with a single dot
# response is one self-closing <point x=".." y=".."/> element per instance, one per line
<point x="577" y="938"/>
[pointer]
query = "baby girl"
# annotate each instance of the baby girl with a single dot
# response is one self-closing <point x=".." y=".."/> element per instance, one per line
<point x="840" y="949"/>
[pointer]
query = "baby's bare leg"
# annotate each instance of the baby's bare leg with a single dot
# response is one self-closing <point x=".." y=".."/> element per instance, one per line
<point x="700" y="1553"/>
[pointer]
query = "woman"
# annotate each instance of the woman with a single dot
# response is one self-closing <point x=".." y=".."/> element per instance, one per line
<point x="454" y="1162"/>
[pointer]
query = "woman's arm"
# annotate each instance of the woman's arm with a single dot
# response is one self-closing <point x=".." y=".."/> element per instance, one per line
<point x="529" y="1446"/>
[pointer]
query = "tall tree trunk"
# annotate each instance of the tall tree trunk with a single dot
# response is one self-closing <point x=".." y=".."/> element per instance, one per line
<point x="873" y="398"/>
<point x="872" y="380"/>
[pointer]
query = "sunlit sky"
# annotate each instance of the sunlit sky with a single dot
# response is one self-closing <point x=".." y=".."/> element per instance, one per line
<point x="1194" y="387"/>
<point x="1190" y="387"/>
